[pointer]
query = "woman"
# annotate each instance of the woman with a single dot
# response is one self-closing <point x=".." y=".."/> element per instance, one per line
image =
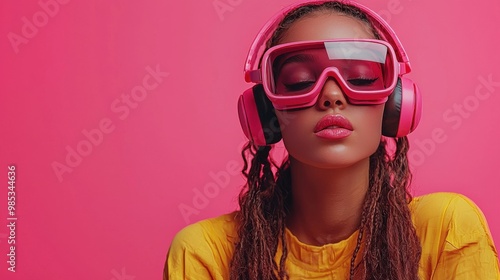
<point x="338" y="207"/>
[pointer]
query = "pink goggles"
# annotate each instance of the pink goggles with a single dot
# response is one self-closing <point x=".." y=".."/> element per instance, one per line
<point x="293" y="74"/>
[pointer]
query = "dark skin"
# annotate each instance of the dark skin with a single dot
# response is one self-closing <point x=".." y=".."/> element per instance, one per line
<point x="329" y="177"/>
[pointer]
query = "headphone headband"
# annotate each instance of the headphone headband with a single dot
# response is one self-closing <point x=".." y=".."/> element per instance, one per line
<point x="258" y="120"/>
<point x="252" y="74"/>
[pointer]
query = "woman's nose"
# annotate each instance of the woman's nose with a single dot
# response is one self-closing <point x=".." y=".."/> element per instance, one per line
<point x="331" y="96"/>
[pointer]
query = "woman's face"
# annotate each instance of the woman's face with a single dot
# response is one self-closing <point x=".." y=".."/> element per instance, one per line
<point x="333" y="147"/>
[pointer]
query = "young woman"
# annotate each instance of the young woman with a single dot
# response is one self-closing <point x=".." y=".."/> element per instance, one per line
<point x="338" y="207"/>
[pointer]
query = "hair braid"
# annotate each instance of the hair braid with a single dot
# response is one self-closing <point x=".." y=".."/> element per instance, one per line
<point x="262" y="217"/>
<point x="389" y="225"/>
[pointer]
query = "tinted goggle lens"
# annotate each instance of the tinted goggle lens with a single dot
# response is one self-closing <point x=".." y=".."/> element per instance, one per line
<point x="364" y="69"/>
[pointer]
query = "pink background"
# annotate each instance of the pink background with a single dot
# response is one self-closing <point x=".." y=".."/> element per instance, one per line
<point x="114" y="215"/>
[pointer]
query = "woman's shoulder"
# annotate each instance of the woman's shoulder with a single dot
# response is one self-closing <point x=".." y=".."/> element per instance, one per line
<point x="207" y="232"/>
<point x="455" y="216"/>
<point x="441" y="200"/>
<point x="455" y="238"/>
<point x="446" y="206"/>
<point x="202" y="250"/>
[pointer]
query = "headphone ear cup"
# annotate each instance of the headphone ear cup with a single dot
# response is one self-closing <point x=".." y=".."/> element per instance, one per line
<point x="403" y="109"/>
<point x="257" y="117"/>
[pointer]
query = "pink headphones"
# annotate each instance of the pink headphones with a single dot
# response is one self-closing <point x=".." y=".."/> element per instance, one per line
<point x="402" y="111"/>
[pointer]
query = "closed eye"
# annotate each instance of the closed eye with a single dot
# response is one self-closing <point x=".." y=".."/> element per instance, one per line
<point x="362" y="81"/>
<point x="299" y="86"/>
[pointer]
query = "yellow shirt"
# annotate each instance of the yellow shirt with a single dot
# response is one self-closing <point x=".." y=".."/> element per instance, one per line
<point x="456" y="244"/>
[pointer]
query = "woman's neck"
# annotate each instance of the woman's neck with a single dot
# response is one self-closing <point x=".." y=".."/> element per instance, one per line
<point x="327" y="203"/>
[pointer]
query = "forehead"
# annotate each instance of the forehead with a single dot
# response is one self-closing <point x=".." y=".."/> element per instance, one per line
<point x="326" y="25"/>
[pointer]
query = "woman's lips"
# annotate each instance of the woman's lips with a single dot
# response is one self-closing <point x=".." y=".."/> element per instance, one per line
<point x="333" y="127"/>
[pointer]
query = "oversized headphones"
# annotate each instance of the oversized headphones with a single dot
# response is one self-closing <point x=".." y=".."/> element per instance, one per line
<point x="402" y="110"/>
